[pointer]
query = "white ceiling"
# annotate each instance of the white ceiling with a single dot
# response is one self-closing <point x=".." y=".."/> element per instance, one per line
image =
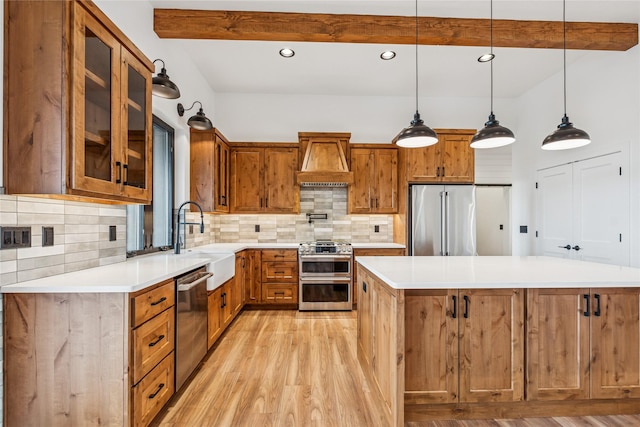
<point x="356" y="69"/>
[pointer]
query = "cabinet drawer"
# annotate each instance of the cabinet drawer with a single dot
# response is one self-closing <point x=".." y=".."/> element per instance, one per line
<point x="151" y="342"/>
<point x="279" y="255"/>
<point x="378" y="252"/>
<point x="148" y="304"/>
<point x="153" y="392"/>
<point x="280" y="272"/>
<point x="279" y="293"/>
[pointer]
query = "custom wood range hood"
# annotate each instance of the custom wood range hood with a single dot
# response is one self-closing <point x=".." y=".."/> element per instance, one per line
<point x="326" y="159"/>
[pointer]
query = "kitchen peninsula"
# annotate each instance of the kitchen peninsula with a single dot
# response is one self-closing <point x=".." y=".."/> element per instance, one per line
<point x="499" y="337"/>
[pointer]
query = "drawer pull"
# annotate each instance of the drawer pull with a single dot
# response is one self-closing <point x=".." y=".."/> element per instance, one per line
<point x="278" y="256"/>
<point x="279" y="272"/>
<point x="161" y="300"/>
<point x="160" y="338"/>
<point x="160" y="387"/>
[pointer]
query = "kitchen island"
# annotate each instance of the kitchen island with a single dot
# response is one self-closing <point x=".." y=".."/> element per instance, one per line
<point x="499" y="337"/>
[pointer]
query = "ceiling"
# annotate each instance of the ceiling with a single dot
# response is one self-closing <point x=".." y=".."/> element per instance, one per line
<point x="357" y="70"/>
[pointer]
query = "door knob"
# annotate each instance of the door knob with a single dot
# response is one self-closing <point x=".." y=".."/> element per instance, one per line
<point x="567" y="247"/>
<point x="577" y="248"/>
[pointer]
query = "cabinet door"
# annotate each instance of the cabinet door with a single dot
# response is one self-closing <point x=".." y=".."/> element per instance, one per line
<point x="615" y="343"/>
<point x="136" y="128"/>
<point x="431" y="346"/>
<point x="423" y="164"/>
<point x="221" y="175"/>
<point x="227" y="303"/>
<point x="281" y="193"/>
<point x="386" y="179"/>
<point x="362" y="192"/>
<point x="252" y="278"/>
<point x="491" y="345"/>
<point x="557" y="344"/>
<point x="238" y="282"/>
<point x="97" y="166"/>
<point x="214" y="317"/>
<point x="247" y="176"/>
<point x="456" y="158"/>
<point x="365" y="334"/>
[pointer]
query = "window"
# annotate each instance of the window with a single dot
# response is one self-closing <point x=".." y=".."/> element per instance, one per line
<point x="150" y="227"/>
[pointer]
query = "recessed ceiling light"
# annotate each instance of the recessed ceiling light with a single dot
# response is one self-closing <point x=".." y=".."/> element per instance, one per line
<point x="387" y="55"/>
<point x="286" y="52"/>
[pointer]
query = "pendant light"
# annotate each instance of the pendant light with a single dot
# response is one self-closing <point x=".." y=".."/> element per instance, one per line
<point x="417" y="134"/>
<point x="492" y="134"/>
<point x="162" y="86"/>
<point x="199" y="121"/>
<point x="566" y="136"/>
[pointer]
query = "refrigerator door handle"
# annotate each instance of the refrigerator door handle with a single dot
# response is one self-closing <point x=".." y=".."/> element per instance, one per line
<point x="446" y="222"/>
<point x="443" y="223"/>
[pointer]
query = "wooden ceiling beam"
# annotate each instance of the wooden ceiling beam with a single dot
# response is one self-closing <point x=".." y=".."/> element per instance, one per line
<point x="315" y="27"/>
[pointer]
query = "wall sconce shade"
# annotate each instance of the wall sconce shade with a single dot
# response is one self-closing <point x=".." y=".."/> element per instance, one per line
<point x="162" y="86"/>
<point x="199" y="121"/>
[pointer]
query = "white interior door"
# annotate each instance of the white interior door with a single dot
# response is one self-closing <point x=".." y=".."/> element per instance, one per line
<point x="601" y="210"/>
<point x="493" y="220"/>
<point x="555" y="211"/>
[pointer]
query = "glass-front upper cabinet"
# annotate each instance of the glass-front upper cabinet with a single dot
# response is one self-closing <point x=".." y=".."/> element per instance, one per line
<point x="112" y="110"/>
<point x="136" y="93"/>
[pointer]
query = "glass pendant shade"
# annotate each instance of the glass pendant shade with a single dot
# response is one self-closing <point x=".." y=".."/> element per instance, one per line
<point x="162" y="86"/>
<point x="492" y="135"/>
<point x="416" y="135"/>
<point x="200" y="121"/>
<point x="566" y="137"/>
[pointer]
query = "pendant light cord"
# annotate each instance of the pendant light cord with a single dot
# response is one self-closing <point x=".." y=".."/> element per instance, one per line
<point x="493" y="57"/>
<point x="416" y="56"/>
<point x="564" y="49"/>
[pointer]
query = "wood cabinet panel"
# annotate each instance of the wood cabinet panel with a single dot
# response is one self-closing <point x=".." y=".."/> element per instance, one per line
<point x="557" y="344"/>
<point x="227" y="302"/>
<point x="365" y="333"/>
<point x="153" y="392"/>
<point x="209" y="169"/>
<point x="280" y="255"/>
<point x="214" y="316"/>
<point x="147" y="304"/>
<point x="375" y="189"/>
<point x="431" y="349"/>
<point x="450" y="160"/>
<point x="263" y="179"/>
<point x="491" y="345"/>
<point x="252" y="278"/>
<point x="285" y="271"/>
<point x="615" y="343"/>
<point x="279" y="293"/>
<point x="151" y="342"/>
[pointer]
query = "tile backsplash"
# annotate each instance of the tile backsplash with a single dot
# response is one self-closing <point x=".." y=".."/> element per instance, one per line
<point x="297" y="228"/>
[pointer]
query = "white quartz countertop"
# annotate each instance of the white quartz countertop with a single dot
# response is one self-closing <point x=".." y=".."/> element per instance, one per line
<point x="130" y="276"/>
<point x="425" y="272"/>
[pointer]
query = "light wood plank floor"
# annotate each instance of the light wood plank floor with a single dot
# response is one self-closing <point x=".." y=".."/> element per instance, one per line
<point x="290" y="368"/>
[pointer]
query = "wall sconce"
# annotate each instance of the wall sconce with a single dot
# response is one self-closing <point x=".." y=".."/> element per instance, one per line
<point x="162" y="86"/>
<point x="199" y="121"/>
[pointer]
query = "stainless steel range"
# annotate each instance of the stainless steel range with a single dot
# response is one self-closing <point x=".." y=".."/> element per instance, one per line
<point x="325" y="275"/>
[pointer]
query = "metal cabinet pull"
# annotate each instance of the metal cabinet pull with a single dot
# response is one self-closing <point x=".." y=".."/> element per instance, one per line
<point x="443" y="174"/>
<point x="126" y="174"/>
<point x="455" y="306"/>
<point x="466" y="307"/>
<point x="119" y="172"/>
<point x="160" y="338"/>
<point x="160" y="387"/>
<point x="567" y="247"/>
<point x="597" y="312"/>
<point x="576" y="247"/>
<point x="364" y="287"/>
<point x="160" y="301"/>
<point x="586" y="299"/>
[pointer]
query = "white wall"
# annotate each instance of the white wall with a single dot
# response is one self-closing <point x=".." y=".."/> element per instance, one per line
<point x="603" y="99"/>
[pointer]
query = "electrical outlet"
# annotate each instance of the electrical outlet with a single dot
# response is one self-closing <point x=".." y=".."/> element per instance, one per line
<point x="47" y="236"/>
<point x="257" y="228"/>
<point x="376" y="228"/>
<point x="524" y="229"/>
<point x="190" y="229"/>
<point x="15" y="237"/>
<point x="112" y="233"/>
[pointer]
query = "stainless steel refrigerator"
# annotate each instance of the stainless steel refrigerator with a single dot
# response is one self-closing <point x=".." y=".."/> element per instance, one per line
<point x="442" y="220"/>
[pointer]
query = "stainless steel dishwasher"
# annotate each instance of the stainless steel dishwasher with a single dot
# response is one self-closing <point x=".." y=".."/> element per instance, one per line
<point x="191" y="322"/>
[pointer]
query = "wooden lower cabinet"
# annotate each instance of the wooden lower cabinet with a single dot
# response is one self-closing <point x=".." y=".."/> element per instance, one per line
<point x="464" y="345"/>
<point x="274" y="277"/>
<point x="214" y="316"/>
<point x="583" y="343"/>
<point x="89" y="359"/>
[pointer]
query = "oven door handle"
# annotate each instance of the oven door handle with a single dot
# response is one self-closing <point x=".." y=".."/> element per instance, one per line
<point x="324" y="258"/>
<point x="325" y="280"/>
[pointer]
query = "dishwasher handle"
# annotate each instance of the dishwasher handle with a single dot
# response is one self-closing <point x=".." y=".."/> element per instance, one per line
<point x="186" y="286"/>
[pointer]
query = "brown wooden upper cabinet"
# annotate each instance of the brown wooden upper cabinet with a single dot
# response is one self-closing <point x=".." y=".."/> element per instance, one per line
<point x="375" y="187"/>
<point x="263" y="178"/>
<point x="450" y="160"/>
<point x="77" y="104"/>
<point x="210" y="170"/>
